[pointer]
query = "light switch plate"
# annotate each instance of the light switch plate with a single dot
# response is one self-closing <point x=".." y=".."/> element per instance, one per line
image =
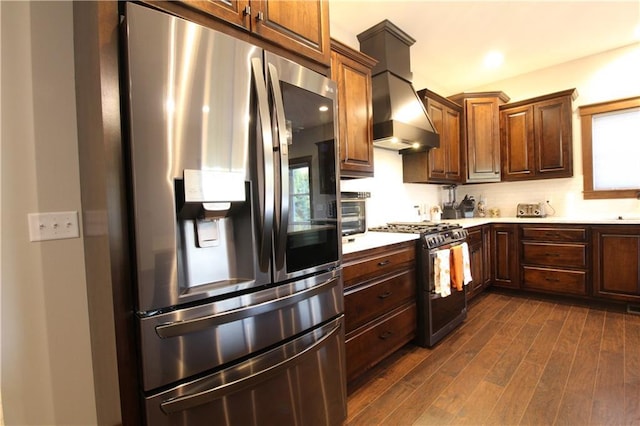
<point x="53" y="226"/>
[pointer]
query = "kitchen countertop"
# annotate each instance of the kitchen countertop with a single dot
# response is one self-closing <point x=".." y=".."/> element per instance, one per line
<point x="613" y="220"/>
<point x="375" y="239"/>
<point x="379" y="239"/>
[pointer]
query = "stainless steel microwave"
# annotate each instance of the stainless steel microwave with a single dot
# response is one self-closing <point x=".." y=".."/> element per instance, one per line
<point x="353" y="206"/>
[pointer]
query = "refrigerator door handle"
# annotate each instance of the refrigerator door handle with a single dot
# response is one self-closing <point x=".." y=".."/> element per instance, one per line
<point x="180" y="328"/>
<point x="281" y="146"/>
<point x="187" y="402"/>
<point x="266" y="184"/>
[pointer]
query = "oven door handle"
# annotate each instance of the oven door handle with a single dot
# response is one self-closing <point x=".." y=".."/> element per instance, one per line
<point x="186" y="402"/>
<point x="180" y="328"/>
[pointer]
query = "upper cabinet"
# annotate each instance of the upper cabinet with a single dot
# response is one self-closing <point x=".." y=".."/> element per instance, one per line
<point x="298" y="26"/>
<point x="536" y="137"/>
<point x="481" y="134"/>
<point x="443" y="164"/>
<point x="352" y="72"/>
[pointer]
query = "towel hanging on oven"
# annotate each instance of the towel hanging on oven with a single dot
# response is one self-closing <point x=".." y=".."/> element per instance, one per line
<point x="460" y="266"/>
<point x="442" y="276"/>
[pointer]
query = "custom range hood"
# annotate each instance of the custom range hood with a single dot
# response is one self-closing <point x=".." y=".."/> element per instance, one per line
<point x="400" y="120"/>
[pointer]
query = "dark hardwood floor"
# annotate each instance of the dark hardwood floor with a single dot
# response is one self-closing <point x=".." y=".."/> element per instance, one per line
<point x="515" y="360"/>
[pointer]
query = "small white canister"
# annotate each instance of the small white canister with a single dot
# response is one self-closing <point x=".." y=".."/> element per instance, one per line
<point x="436" y="213"/>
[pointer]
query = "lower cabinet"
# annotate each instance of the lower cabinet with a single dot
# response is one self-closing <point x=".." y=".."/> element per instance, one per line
<point x="616" y="262"/>
<point x="480" y="258"/>
<point x="555" y="259"/>
<point x="380" y="304"/>
<point x="505" y="258"/>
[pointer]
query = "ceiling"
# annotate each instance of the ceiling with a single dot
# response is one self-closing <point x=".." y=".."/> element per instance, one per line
<point x="452" y="37"/>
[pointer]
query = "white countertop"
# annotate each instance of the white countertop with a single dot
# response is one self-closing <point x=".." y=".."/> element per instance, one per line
<point x="477" y="221"/>
<point x="375" y="239"/>
<point x="378" y="239"/>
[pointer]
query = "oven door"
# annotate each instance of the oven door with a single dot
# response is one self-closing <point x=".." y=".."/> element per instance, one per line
<point x="437" y="315"/>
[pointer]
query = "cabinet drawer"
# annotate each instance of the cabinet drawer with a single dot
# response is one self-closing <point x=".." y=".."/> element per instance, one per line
<point x="555" y="280"/>
<point x="364" y="303"/>
<point x="565" y="255"/>
<point x="554" y="234"/>
<point x="362" y="269"/>
<point x="368" y="346"/>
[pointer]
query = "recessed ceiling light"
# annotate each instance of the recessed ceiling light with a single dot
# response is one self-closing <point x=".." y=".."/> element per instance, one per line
<point x="493" y="59"/>
<point x="323" y="108"/>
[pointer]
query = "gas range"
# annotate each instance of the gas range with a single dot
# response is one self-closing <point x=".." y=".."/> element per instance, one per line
<point x="432" y="234"/>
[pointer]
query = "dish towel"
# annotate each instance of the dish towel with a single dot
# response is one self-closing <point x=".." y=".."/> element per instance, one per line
<point x="457" y="267"/>
<point x="460" y="266"/>
<point x="466" y="264"/>
<point x="441" y="278"/>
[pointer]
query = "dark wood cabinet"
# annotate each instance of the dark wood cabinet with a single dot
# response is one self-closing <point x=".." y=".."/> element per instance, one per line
<point x="352" y="72"/>
<point x="443" y="164"/>
<point x="380" y="304"/>
<point x="481" y="134"/>
<point x="298" y="26"/>
<point x="616" y="262"/>
<point x="536" y="137"/>
<point x="479" y="252"/>
<point x="505" y="260"/>
<point x="555" y="259"/>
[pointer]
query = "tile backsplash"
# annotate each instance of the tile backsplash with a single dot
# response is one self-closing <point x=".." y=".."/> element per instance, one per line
<point x="392" y="200"/>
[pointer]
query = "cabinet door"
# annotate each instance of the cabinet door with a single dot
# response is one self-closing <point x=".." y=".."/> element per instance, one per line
<point x="517" y="143"/>
<point x="300" y="26"/>
<point x="553" y="139"/>
<point x="616" y="273"/>
<point x="232" y="11"/>
<point x="483" y="139"/>
<point x="451" y="129"/>
<point x="506" y="262"/>
<point x="355" y="115"/>
<point x="437" y="167"/>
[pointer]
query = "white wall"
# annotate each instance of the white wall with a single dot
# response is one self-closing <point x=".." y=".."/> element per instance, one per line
<point x="606" y="76"/>
<point x="47" y="376"/>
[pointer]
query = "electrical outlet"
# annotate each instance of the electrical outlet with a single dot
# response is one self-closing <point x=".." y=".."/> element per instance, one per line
<point x="53" y="226"/>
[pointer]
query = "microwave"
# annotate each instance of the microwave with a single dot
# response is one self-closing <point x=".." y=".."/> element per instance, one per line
<point x="353" y="208"/>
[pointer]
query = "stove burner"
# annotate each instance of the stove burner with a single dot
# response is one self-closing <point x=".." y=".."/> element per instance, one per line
<point x="415" y="227"/>
<point x="432" y="234"/>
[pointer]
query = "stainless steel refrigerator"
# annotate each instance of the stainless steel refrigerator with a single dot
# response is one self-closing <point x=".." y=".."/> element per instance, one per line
<point x="232" y="154"/>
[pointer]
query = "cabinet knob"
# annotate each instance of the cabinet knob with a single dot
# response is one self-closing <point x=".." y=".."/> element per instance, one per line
<point x="260" y="16"/>
<point x="246" y="11"/>
<point x="384" y="263"/>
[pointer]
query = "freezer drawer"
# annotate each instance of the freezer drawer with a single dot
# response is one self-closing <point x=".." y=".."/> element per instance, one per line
<point x="299" y="383"/>
<point x="181" y="343"/>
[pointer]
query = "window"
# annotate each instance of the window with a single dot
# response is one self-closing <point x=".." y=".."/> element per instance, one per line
<point x="611" y="149"/>
<point x="300" y="187"/>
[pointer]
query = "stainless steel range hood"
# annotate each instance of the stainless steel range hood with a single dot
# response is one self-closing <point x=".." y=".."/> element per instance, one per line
<point x="400" y="120"/>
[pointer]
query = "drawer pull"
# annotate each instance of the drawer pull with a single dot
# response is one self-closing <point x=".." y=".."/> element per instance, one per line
<point x="386" y="335"/>
<point x="384" y="295"/>
<point x="552" y="254"/>
<point x="384" y="263"/>
<point x="553" y="280"/>
<point x="551" y="234"/>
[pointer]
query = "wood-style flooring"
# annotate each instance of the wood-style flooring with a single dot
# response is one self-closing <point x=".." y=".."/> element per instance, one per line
<point x="516" y="360"/>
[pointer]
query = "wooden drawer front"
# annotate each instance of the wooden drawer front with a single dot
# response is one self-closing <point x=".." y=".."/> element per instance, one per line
<point x="372" y="344"/>
<point x="565" y="255"/>
<point x="554" y="234"/>
<point x="379" y="264"/>
<point x="556" y="280"/>
<point x="364" y="303"/>
<point x="475" y="236"/>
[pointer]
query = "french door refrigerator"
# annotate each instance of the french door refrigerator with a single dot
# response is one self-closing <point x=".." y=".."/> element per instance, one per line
<point x="232" y="154"/>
